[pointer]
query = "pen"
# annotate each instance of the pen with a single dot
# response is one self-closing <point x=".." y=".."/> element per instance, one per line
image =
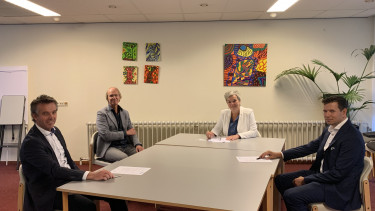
<point x="259" y="158"/>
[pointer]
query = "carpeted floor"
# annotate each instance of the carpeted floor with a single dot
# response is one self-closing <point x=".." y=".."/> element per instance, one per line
<point x="9" y="190"/>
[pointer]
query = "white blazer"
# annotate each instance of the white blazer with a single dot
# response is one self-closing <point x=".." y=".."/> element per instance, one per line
<point x="246" y="128"/>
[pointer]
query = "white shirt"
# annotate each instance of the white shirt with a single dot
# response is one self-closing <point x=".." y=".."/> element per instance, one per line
<point x="57" y="148"/>
<point x="333" y="131"/>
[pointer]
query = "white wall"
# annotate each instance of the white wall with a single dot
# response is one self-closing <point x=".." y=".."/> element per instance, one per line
<point x="78" y="62"/>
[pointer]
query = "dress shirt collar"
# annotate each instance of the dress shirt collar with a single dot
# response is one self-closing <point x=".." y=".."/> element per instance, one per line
<point x="337" y="128"/>
<point x="118" y="106"/>
<point x="45" y="132"/>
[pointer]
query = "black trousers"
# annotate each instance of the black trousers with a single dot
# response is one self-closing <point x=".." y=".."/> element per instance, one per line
<point x="86" y="203"/>
<point x="298" y="198"/>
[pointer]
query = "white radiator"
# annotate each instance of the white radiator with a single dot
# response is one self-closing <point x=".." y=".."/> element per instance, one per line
<point x="296" y="133"/>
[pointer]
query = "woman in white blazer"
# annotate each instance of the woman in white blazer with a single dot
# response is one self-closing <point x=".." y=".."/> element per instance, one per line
<point x="236" y="122"/>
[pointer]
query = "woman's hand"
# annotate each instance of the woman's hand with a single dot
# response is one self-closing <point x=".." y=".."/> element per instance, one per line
<point x="210" y="134"/>
<point x="234" y="137"/>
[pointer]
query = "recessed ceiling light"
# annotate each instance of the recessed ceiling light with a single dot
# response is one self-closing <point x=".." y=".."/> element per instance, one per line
<point x="281" y="5"/>
<point x="204" y="5"/>
<point x="273" y="15"/>
<point x="33" y="7"/>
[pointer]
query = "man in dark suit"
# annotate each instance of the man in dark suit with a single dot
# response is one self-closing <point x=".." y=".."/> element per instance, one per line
<point x="334" y="175"/>
<point x="117" y="138"/>
<point x="47" y="164"/>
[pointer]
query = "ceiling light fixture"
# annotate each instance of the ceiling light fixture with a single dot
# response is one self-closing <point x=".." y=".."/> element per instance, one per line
<point x="281" y="5"/>
<point x="204" y="5"/>
<point x="112" y="6"/>
<point x="273" y="15"/>
<point x="33" y="7"/>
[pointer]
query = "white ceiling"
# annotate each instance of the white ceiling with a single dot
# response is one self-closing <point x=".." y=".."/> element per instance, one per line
<point x="98" y="11"/>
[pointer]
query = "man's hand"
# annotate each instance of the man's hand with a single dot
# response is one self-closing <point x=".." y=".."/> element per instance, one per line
<point x="100" y="174"/>
<point x="131" y="132"/>
<point x="139" y="148"/>
<point x="299" y="181"/>
<point x="270" y="155"/>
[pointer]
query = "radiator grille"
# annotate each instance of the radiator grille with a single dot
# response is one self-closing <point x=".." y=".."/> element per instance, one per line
<point x="296" y="133"/>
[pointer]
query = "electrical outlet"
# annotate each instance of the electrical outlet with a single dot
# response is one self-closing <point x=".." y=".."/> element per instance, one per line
<point x="62" y="104"/>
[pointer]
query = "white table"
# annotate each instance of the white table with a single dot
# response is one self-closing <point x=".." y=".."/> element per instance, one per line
<point x="199" y="140"/>
<point x="192" y="177"/>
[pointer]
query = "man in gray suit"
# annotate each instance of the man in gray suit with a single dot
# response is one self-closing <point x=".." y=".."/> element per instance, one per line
<point x="117" y="138"/>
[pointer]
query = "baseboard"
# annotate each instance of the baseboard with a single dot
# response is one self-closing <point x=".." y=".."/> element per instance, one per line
<point x="9" y="162"/>
<point x="84" y="162"/>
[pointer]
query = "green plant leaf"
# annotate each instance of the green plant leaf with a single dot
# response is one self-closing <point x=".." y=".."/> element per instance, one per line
<point x="353" y="96"/>
<point x="335" y="74"/>
<point x="350" y="81"/>
<point x="307" y="72"/>
<point x="367" y="52"/>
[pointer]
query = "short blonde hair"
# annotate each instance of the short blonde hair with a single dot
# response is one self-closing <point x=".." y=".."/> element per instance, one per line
<point x="231" y="93"/>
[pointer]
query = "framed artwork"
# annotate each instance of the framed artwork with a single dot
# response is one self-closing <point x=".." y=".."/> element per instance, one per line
<point x="129" y="51"/>
<point x="245" y="64"/>
<point x="152" y="52"/>
<point x="151" y="74"/>
<point x="130" y="74"/>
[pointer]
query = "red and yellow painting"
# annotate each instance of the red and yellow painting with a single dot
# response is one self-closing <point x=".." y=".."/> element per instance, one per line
<point x="245" y="64"/>
<point x="130" y="74"/>
<point x="151" y="74"/>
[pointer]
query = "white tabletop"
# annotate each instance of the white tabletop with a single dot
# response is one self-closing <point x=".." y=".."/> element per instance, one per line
<point x="193" y="177"/>
<point x="198" y="140"/>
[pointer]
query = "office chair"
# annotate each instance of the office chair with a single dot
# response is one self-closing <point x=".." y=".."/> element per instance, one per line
<point x="92" y="153"/>
<point x="21" y="189"/>
<point x="370" y="152"/>
<point x="21" y="192"/>
<point x="364" y="189"/>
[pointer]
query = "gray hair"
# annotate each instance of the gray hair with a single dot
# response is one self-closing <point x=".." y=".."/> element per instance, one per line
<point x="231" y="93"/>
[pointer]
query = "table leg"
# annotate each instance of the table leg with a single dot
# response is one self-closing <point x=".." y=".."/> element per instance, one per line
<point x="65" y="201"/>
<point x="270" y="188"/>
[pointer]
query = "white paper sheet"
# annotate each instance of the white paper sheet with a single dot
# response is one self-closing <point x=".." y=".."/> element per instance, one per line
<point x="251" y="159"/>
<point x="219" y="140"/>
<point x="130" y="170"/>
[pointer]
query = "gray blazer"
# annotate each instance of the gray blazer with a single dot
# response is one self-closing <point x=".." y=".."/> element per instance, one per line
<point x="107" y="129"/>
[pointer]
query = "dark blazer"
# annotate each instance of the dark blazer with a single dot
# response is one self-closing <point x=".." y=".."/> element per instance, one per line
<point x="108" y="129"/>
<point x="42" y="170"/>
<point x="342" y="166"/>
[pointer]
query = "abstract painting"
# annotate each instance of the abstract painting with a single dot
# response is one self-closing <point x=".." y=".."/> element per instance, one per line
<point x="152" y="52"/>
<point x="129" y="51"/>
<point x="151" y="74"/>
<point x="245" y="64"/>
<point x="130" y="74"/>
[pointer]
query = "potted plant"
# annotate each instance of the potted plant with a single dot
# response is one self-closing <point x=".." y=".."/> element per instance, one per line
<point x="352" y="92"/>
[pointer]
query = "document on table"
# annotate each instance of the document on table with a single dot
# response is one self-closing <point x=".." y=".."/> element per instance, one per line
<point x="218" y="140"/>
<point x="130" y="170"/>
<point x="251" y="159"/>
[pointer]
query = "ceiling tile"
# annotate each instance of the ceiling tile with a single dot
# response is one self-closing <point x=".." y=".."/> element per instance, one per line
<point x="241" y="15"/>
<point x="164" y="17"/>
<point x="202" y="16"/>
<point x="158" y="7"/>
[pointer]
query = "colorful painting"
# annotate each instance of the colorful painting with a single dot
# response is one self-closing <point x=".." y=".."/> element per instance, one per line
<point x="151" y="74"/>
<point x="130" y="74"/>
<point x="245" y="64"/>
<point x="129" y="51"/>
<point x="152" y="52"/>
